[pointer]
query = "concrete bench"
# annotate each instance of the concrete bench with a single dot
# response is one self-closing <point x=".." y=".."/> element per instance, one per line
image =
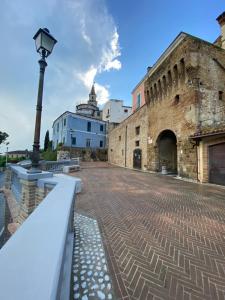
<point x="72" y="168"/>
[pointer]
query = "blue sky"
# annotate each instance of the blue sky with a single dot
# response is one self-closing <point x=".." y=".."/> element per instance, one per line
<point x="110" y="42"/>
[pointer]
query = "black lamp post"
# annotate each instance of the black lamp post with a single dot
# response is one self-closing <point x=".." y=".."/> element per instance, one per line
<point x="44" y="44"/>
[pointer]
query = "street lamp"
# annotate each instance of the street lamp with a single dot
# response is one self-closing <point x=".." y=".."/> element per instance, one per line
<point x="44" y="42"/>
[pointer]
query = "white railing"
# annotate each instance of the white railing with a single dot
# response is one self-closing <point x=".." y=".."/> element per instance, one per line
<point x="57" y="166"/>
<point x="36" y="261"/>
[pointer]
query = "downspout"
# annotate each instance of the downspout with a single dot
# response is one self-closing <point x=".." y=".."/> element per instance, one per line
<point x="125" y="147"/>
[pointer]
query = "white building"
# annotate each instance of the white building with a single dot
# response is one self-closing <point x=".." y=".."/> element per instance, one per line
<point x="115" y="112"/>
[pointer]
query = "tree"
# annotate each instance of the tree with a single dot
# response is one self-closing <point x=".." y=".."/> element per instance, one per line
<point x="3" y="137"/>
<point x="46" y="142"/>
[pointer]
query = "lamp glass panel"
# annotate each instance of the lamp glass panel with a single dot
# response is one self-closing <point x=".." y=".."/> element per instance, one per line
<point x="47" y="42"/>
<point x="38" y="41"/>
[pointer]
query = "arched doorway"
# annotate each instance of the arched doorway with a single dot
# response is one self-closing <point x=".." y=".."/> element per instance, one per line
<point x="167" y="151"/>
<point x="137" y="159"/>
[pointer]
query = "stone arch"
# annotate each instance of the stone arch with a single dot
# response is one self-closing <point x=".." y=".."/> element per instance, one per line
<point x="167" y="151"/>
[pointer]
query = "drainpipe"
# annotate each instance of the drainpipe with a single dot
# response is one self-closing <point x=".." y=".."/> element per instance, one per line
<point x="125" y="147"/>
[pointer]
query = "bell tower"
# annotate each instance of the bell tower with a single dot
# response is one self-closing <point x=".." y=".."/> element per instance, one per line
<point x="92" y="96"/>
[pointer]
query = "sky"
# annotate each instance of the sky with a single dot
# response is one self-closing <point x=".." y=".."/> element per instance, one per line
<point x="109" y="42"/>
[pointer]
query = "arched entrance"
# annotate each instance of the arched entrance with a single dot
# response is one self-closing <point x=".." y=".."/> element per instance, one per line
<point x="137" y="159"/>
<point x="167" y="151"/>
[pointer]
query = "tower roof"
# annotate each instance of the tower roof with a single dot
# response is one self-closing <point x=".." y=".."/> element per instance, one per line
<point x="93" y="90"/>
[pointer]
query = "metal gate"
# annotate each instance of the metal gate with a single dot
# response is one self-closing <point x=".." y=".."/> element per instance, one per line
<point x="137" y="159"/>
<point x="217" y="164"/>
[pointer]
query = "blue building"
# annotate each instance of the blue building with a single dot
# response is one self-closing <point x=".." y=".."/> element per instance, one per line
<point x="83" y="129"/>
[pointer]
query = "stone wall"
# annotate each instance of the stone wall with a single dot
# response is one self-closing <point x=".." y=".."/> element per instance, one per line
<point x="87" y="154"/>
<point x="185" y="95"/>
<point x="123" y="140"/>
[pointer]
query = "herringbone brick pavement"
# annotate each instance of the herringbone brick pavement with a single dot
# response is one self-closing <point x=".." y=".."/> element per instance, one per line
<point x="164" y="238"/>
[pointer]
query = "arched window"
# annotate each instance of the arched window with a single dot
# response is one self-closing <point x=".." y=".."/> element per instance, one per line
<point x="164" y="85"/>
<point x="169" y="79"/>
<point x="175" y="72"/>
<point x="155" y="91"/>
<point x="160" y="89"/>
<point x="182" y="70"/>
<point x="151" y="94"/>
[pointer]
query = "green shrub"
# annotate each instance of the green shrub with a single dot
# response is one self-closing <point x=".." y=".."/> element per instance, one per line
<point x="49" y="155"/>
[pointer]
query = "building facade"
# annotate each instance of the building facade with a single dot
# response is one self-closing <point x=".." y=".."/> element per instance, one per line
<point x="83" y="129"/>
<point x="185" y="111"/>
<point x="115" y="112"/>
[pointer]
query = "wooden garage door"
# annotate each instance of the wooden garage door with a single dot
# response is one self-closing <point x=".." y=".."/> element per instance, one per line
<point x="217" y="164"/>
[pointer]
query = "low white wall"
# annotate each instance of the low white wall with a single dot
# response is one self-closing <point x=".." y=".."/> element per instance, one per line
<point x="32" y="261"/>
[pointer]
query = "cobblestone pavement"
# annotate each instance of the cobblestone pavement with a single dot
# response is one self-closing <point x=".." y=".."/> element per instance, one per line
<point x="164" y="238"/>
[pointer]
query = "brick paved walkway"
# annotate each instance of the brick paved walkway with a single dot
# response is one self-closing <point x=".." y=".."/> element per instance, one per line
<point x="164" y="238"/>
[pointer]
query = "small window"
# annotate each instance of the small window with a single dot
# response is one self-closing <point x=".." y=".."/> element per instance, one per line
<point x="138" y="101"/>
<point x="89" y="126"/>
<point x="120" y="138"/>
<point x="101" y="144"/>
<point x="177" y="99"/>
<point x="58" y="127"/>
<point x="101" y="127"/>
<point x="137" y="130"/>
<point x="137" y="143"/>
<point x="126" y="110"/>
<point x="64" y="122"/>
<point x="98" y="113"/>
<point x="122" y="152"/>
<point x="88" y="142"/>
<point x="74" y="141"/>
<point x="63" y="140"/>
<point x="220" y="95"/>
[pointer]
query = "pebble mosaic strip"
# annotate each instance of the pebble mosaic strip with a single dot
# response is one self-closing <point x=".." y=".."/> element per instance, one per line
<point x="91" y="277"/>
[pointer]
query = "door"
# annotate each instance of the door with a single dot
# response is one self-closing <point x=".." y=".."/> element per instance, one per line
<point x="137" y="159"/>
<point x="217" y="164"/>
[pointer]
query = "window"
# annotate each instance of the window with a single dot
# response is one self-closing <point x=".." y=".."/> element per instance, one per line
<point x="160" y="88"/>
<point x="98" y="114"/>
<point x="155" y="91"/>
<point x="122" y="152"/>
<point x="177" y="99"/>
<point x="137" y="130"/>
<point x="64" y="122"/>
<point x="101" y="127"/>
<point x="88" y="126"/>
<point x="57" y="127"/>
<point x="169" y="79"/>
<point x="164" y="85"/>
<point x="120" y="138"/>
<point x="138" y="101"/>
<point x="182" y="70"/>
<point x="74" y="140"/>
<point x="88" y="142"/>
<point x="126" y="110"/>
<point x="137" y="143"/>
<point x="175" y="71"/>
<point x="101" y="144"/>
<point x="220" y="95"/>
<point x="63" y="140"/>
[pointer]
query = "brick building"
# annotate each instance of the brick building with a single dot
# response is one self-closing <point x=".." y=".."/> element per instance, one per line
<point x="184" y="113"/>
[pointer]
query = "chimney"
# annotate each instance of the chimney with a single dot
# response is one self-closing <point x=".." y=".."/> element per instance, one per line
<point x="221" y="21"/>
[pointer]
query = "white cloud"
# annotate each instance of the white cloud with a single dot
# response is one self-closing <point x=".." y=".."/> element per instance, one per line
<point x="88" y="45"/>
